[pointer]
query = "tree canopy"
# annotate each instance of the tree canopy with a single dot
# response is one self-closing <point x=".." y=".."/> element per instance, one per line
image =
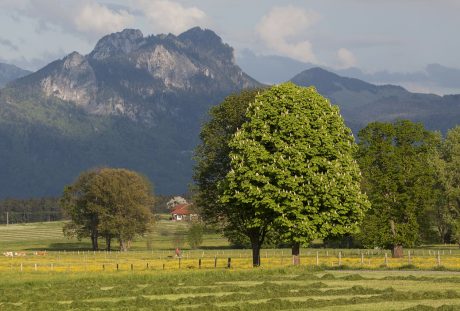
<point x="292" y="169"/>
<point x="108" y="203"/>
<point x="399" y="180"/>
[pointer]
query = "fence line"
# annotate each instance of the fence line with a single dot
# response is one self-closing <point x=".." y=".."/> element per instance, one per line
<point x="88" y="261"/>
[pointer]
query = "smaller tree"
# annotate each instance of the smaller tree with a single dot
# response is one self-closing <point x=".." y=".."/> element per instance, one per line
<point x="394" y="159"/>
<point x="112" y="203"/>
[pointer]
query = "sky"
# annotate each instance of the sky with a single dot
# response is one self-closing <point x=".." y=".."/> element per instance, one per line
<point x="392" y="35"/>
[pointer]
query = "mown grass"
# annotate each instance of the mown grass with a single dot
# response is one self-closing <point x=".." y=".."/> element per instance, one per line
<point x="259" y="289"/>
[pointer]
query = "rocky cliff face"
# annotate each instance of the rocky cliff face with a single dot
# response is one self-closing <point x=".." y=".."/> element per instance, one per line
<point x="128" y="74"/>
<point x="72" y="79"/>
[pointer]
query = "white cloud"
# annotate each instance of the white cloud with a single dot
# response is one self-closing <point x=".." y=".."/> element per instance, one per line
<point x="282" y="29"/>
<point x="86" y="18"/>
<point x="169" y="16"/>
<point x="346" y="58"/>
<point x="96" y="18"/>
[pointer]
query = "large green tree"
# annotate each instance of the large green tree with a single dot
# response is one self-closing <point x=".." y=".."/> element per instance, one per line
<point x="399" y="181"/>
<point x="292" y="168"/>
<point x="109" y="203"/>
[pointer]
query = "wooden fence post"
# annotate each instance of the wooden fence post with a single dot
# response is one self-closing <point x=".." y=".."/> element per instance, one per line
<point x="340" y="258"/>
<point x="408" y="257"/>
<point x="215" y="262"/>
<point x="362" y="258"/>
<point x="229" y="262"/>
<point x="199" y="263"/>
<point x="317" y="258"/>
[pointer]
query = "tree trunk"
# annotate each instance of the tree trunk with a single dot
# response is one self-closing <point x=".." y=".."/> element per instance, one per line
<point x="296" y="254"/>
<point x="397" y="251"/>
<point x="108" y="240"/>
<point x="123" y="246"/>
<point x="255" y="251"/>
<point x="94" y="242"/>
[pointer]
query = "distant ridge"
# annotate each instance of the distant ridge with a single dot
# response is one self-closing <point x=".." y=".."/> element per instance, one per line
<point x="361" y="102"/>
<point x="9" y="73"/>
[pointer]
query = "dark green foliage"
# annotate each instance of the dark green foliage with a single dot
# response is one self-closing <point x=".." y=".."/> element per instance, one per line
<point x="212" y="154"/>
<point x="398" y="179"/>
<point x="445" y="213"/>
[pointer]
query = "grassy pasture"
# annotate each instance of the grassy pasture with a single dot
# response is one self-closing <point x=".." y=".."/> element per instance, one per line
<point x="71" y="277"/>
<point x="259" y="289"/>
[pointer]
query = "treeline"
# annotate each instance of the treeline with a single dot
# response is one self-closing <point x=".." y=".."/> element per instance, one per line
<point x="49" y="209"/>
<point x="30" y="210"/>
<point x="412" y="178"/>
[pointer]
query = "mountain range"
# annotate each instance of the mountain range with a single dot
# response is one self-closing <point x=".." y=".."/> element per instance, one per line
<point x="434" y="78"/>
<point x="139" y="101"/>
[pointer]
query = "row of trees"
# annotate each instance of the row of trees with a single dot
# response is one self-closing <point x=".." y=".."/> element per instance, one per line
<point x="280" y="164"/>
<point x="110" y="204"/>
<point x="30" y="210"/>
<point x="412" y="178"/>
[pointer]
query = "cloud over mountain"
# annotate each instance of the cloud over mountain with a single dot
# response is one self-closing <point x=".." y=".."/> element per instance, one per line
<point x="282" y="30"/>
<point x="170" y="16"/>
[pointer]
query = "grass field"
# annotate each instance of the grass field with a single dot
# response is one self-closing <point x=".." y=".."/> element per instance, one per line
<point x="71" y="277"/>
<point x="48" y="236"/>
<point x="260" y="289"/>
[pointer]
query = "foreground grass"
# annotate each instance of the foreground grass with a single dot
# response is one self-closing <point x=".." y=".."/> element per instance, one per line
<point x="259" y="289"/>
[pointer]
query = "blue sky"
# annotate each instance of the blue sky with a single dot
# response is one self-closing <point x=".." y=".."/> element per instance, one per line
<point x="393" y="35"/>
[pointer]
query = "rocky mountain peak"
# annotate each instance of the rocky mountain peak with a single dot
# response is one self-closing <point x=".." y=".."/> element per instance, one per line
<point x="122" y="42"/>
<point x="208" y="42"/>
<point x="73" y="60"/>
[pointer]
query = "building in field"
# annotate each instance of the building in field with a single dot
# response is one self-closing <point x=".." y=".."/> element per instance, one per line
<point x="183" y="212"/>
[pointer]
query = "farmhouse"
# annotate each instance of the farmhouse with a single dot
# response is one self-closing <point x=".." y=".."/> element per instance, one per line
<point x="183" y="212"/>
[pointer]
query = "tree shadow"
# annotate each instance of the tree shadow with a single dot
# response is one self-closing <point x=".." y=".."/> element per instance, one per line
<point x="71" y="246"/>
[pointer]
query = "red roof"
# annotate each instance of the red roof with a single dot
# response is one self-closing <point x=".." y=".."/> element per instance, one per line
<point x="182" y="209"/>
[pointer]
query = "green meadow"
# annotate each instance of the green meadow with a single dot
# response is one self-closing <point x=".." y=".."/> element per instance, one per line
<point x="150" y="277"/>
